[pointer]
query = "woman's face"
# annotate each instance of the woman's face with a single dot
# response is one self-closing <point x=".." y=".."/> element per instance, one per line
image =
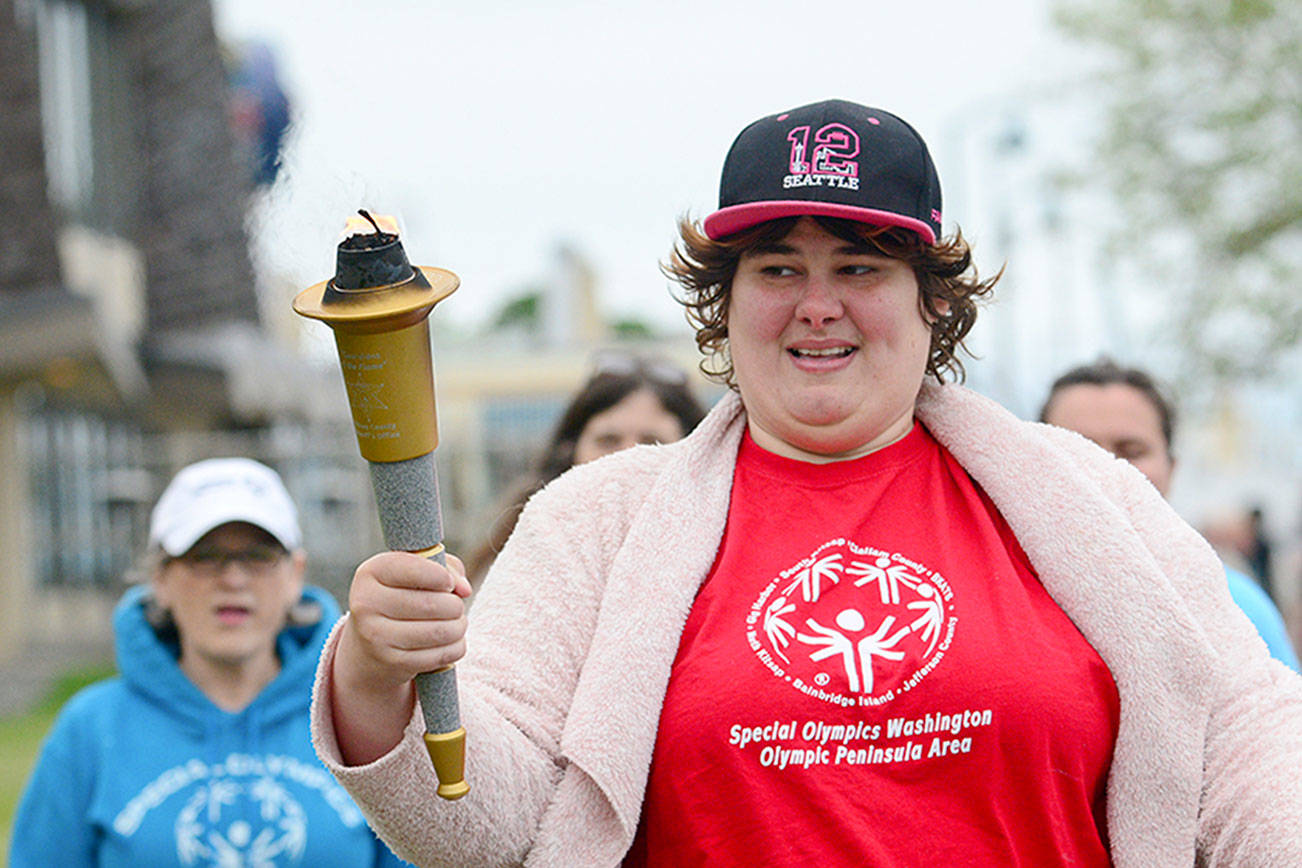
<point x="229" y="596"/>
<point x="828" y="343"/>
<point x="1122" y="420"/>
<point x="638" y="418"/>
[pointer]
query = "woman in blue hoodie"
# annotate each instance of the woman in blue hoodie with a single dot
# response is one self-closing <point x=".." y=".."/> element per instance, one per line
<point x="199" y="753"/>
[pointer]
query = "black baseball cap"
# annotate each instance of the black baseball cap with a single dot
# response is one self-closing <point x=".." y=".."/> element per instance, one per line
<point x="833" y="159"/>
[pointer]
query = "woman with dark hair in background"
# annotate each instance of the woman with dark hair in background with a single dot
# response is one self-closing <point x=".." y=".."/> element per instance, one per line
<point x="1124" y="411"/>
<point x="627" y="400"/>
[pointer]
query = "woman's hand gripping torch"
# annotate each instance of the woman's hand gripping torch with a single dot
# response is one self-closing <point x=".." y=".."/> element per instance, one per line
<point x="378" y="305"/>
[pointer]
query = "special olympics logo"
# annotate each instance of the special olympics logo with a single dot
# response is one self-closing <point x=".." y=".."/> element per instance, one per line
<point x="853" y="625"/>
<point x="216" y="826"/>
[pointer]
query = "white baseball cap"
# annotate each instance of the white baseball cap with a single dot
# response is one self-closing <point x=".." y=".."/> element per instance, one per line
<point x="217" y="491"/>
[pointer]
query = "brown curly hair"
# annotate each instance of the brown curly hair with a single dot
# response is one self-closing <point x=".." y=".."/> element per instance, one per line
<point x="947" y="281"/>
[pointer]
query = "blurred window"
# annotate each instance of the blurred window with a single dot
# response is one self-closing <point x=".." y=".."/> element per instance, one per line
<point x="515" y="430"/>
<point x="63" y="40"/>
<point x="90" y="497"/>
<point x="88" y="116"/>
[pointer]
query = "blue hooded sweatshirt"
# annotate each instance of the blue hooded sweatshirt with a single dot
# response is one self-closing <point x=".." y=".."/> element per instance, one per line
<point x="144" y="770"/>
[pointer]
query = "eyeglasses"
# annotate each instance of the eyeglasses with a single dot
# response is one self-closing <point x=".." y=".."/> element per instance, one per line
<point x="254" y="560"/>
<point x="625" y="365"/>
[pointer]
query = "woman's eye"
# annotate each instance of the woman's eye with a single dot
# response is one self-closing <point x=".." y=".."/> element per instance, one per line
<point x="777" y="270"/>
<point x="1131" y="451"/>
<point x="858" y="269"/>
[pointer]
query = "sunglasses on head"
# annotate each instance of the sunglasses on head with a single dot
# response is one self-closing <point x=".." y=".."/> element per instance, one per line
<point x="627" y="365"/>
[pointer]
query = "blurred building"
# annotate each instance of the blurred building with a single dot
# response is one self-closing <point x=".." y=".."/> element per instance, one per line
<point x="134" y="339"/>
<point x="131" y="337"/>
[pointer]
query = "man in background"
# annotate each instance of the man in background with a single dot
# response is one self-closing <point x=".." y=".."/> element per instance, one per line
<point x="1124" y="411"/>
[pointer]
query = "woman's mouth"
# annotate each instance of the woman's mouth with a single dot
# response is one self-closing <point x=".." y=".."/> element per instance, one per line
<point x="827" y="353"/>
<point x="822" y="360"/>
<point x="233" y="615"/>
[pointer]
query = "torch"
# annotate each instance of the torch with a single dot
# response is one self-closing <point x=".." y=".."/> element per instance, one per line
<point x="378" y="305"/>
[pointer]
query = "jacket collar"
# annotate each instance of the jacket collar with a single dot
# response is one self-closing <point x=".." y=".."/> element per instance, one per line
<point x="652" y="583"/>
<point x="1087" y="552"/>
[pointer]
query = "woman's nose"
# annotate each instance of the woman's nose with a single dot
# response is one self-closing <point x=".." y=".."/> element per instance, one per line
<point x="819" y="303"/>
<point x="234" y="572"/>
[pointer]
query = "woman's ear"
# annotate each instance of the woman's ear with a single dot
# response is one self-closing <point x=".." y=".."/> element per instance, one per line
<point x="926" y="306"/>
<point x="303" y="611"/>
<point x="298" y="567"/>
<point x="159" y="587"/>
<point x="157" y="615"/>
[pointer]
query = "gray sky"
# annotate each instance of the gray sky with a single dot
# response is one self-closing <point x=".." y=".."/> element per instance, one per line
<point x="497" y="129"/>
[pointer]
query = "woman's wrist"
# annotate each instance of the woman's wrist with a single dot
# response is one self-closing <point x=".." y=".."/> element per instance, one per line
<point x="370" y="711"/>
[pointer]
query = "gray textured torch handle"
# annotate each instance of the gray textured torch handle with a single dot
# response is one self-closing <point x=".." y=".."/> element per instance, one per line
<point x="407" y="499"/>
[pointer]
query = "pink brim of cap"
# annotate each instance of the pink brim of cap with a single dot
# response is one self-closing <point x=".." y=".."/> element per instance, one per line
<point x="735" y="218"/>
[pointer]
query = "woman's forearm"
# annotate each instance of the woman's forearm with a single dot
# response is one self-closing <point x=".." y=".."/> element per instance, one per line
<point x="369" y="715"/>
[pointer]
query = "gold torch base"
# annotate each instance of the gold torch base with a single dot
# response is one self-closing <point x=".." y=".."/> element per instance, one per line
<point x="448" y="753"/>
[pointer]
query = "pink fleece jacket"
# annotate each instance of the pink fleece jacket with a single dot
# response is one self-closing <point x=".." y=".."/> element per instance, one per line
<point x="574" y="631"/>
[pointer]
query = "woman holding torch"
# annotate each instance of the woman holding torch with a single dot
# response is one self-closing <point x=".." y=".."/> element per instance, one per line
<point x="858" y="617"/>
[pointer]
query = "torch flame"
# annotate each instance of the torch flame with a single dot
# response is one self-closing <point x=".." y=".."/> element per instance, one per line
<point x="359" y="225"/>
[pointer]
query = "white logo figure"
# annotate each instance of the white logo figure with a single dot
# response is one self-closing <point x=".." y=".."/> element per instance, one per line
<point x="203" y="837"/>
<point x="895" y="620"/>
<point x="933" y="615"/>
<point x="810" y="579"/>
<point x="835" y="642"/>
<point x="367" y="397"/>
<point x="888" y="577"/>
<point x="777" y="629"/>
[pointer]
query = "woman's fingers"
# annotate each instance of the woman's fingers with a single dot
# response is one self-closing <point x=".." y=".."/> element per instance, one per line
<point x="458" y="569"/>
<point x="408" y="604"/>
<point x="406" y="648"/>
<point x="412" y="635"/>
<point x="407" y="612"/>
<point x="404" y="570"/>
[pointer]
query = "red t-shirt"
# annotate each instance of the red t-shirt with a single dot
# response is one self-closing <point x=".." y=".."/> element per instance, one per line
<point x="872" y="675"/>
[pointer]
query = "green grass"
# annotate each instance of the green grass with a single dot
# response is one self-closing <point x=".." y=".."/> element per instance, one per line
<point x="20" y="740"/>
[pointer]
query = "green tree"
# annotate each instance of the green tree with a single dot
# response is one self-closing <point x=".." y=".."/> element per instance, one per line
<point x="1202" y="143"/>
<point x="519" y="310"/>
<point x="631" y="328"/>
